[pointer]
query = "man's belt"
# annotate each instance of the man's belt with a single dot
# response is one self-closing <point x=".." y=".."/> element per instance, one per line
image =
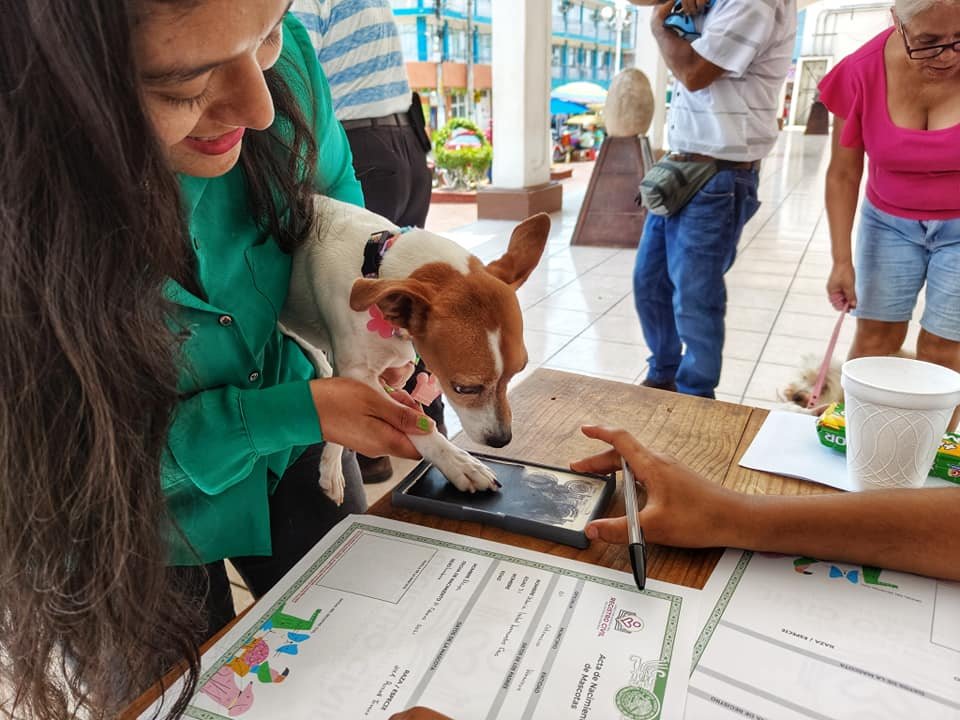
<point x="721" y="164"/>
<point x="395" y="120"/>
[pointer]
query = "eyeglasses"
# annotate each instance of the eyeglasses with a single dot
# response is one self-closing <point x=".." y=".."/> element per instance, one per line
<point x="930" y="51"/>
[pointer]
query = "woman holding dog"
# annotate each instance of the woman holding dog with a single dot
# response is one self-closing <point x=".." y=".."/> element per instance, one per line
<point x="157" y="162"/>
<point x="896" y="100"/>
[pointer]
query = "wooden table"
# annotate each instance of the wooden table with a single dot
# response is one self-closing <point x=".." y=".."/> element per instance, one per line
<point x="548" y="410"/>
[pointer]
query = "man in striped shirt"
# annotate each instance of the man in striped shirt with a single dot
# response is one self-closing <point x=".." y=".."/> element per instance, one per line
<point x="723" y="111"/>
<point x="358" y="45"/>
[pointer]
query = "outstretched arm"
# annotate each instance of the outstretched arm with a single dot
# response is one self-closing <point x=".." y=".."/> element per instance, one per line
<point x="911" y="530"/>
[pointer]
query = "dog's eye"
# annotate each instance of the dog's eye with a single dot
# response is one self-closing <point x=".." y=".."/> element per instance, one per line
<point x="467" y="389"/>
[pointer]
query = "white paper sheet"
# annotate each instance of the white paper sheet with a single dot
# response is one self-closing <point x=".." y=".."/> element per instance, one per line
<point x="382" y="616"/>
<point x="793" y="638"/>
<point x="787" y="444"/>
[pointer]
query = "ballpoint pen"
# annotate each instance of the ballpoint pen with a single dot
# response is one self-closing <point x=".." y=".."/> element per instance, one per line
<point x="637" y="548"/>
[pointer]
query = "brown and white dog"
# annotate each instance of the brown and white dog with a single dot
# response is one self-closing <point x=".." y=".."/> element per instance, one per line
<point x="461" y="315"/>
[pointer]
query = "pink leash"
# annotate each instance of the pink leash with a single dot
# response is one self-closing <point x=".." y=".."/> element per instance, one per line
<point x="827" y="358"/>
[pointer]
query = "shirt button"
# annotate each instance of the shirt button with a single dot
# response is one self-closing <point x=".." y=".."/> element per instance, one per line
<point x="226" y="320"/>
<point x="254" y="376"/>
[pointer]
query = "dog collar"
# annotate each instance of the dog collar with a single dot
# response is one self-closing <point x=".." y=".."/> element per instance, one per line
<point x="377" y="245"/>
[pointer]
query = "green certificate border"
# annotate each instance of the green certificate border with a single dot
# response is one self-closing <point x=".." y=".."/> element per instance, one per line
<point x="714" y="620"/>
<point x="666" y="650"/>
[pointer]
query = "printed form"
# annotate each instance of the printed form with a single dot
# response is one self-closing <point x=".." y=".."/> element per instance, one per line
<point x="791" y="638"/>
<point x="382" y="616"/>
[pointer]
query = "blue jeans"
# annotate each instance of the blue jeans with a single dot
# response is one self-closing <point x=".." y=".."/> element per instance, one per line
<point x="678" y="283"/>
<point x="895" y="257"/>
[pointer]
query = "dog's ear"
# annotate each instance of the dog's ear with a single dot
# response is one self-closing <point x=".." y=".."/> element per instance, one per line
<point x="526" y="246"/>
<point x="404" y="303"/>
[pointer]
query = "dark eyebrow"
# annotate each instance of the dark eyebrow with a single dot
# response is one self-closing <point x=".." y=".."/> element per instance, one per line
<point x="170" y="76"/>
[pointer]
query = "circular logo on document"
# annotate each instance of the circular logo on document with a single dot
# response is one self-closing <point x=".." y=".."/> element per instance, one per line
<point x="637" y="703"/>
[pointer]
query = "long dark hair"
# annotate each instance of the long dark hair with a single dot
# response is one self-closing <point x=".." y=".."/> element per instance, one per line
<point x="278" y="166"/>
<point x="90" y="229"/>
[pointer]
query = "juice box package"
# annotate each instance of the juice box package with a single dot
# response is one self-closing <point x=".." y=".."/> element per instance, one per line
<point x="831" y="430"/>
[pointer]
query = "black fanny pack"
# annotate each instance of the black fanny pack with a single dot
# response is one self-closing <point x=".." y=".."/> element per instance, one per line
<point x="670" y="184"/>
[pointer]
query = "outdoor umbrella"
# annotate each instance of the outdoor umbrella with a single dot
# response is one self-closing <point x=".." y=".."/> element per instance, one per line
<point x="582" y="93"/>
<point x="563" y="107"/>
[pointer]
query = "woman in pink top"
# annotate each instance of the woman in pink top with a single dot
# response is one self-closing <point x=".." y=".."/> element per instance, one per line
<point x="897" y="101"/>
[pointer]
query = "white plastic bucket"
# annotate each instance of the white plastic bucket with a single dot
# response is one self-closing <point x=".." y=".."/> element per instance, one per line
<point x="897" y="410"/>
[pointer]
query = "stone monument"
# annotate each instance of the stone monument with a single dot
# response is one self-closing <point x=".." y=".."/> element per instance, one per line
<point x="609" y="215"/>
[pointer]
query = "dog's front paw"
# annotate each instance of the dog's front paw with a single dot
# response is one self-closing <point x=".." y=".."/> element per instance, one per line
<point x="332" y="481"/>
<point x="466" y="473"/>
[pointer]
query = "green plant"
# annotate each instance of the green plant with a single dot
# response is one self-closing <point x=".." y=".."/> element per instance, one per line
<point x="467" y="166"/>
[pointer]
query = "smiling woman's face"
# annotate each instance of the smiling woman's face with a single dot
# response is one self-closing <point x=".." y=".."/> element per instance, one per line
<point x="201" y="67"/>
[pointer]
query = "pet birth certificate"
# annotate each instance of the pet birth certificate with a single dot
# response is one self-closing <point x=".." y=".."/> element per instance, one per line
<point x="382" y="616"/>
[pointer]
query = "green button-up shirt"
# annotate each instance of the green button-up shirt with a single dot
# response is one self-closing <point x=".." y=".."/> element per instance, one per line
<point x="248" y="411"/>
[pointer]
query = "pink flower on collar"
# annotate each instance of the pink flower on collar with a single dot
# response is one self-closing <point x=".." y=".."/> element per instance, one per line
<point x="427" y="390"/>
<point x="391" y="240"/>
<point x="379" y="324"/>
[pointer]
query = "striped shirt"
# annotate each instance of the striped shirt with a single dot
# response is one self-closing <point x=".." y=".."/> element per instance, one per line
<point x="735" y="117"/>
<point x="358" y="45"/>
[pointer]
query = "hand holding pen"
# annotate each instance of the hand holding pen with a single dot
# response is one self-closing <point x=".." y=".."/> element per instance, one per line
<point x="682" y="508"/>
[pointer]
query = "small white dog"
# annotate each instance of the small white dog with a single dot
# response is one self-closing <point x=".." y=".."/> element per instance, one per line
<point x="371" y="292"/>
<point x="796" y="394"/>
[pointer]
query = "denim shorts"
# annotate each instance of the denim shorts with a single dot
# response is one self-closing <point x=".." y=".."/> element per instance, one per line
<point x="894" y="257"/>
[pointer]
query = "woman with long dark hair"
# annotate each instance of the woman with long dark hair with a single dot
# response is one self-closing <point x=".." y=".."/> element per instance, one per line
<point x="157" y="159"/>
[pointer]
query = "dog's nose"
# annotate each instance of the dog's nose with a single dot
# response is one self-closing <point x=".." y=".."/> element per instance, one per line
<point x="499" y="440"/>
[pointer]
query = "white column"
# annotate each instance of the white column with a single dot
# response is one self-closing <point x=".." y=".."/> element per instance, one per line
<point x="522" y="34"/>
<point x="619" y="16"/>
<point x="649" y="60"/>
